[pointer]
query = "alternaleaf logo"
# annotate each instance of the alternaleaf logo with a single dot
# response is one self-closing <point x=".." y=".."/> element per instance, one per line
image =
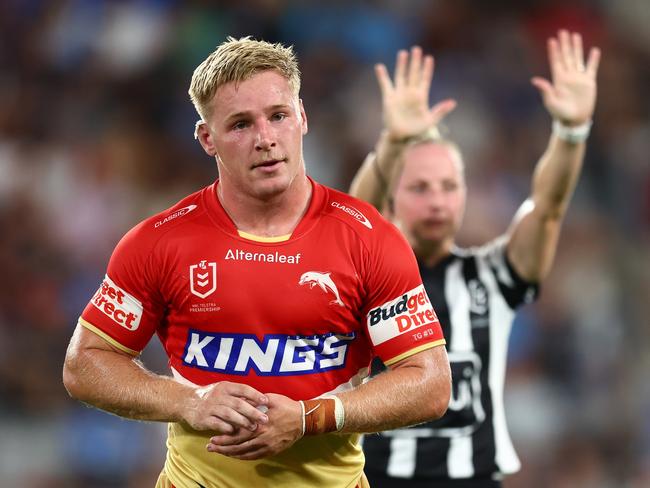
<point x="203" y="279"/>
<point x="324" y="281"/>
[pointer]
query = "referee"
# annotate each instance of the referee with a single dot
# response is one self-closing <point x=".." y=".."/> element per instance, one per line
<point x="417" y="179"/>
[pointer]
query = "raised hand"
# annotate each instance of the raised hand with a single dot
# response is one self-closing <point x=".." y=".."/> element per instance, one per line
<point x="279" y="433"/>
<point x="405" y="100"/>
<point x="226" y="407"/>
<point x="571" y="97"/>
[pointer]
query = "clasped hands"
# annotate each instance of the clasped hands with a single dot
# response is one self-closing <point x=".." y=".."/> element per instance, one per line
<point x="249" y="425"/>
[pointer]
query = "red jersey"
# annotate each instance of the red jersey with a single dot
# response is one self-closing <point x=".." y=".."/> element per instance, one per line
<point x="301" y="315"/>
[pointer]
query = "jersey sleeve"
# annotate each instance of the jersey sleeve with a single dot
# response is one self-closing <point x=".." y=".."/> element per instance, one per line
<point x="515" y="290"/>
<point x="400" y="320"/>
<point x="126" y="309"/>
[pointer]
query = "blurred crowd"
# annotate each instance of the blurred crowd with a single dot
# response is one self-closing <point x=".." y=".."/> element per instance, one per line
<point x="96" y="133"/>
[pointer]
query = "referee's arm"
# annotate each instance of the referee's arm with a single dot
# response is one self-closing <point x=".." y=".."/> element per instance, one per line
<point x="570" y="99"/>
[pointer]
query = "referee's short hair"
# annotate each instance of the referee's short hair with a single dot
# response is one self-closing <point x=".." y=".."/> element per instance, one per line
<point x="431" y="136"/>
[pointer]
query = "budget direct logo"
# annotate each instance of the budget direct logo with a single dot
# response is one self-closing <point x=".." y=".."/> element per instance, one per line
<point x="118" y="305"/>
<point x="407" y="312"/>
<point x="354" y="213"/>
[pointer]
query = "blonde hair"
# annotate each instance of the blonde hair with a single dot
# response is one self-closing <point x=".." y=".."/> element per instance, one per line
<point x="434" y="136"/>
<point x="236" y="60"/>
<point x="431" y="136"/>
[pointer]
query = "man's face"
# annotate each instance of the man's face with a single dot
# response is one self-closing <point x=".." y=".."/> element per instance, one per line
<point x="429" y="198"/>
<point x="255" y="129"/>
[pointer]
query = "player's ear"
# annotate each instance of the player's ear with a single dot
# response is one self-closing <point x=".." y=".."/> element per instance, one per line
<point x="303" y="117"/>
<point x="202" y="133"/>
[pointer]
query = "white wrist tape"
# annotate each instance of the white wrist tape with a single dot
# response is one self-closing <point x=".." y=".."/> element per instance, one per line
<point x="302" y="416"/>
<point x="573" y="135"/>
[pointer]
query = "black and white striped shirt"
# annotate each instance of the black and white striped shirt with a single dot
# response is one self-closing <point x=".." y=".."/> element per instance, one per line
<point x="475" y="293"/>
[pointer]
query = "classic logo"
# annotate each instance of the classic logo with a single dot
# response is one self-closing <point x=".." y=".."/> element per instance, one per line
<point x="176" y="214"/>
<point x="324" y="281"/>
<point x="411" y="310"/>
<point x="122" y="308"/>
<point x="203" y="279"/>
<point x="272" y="355"/>
<point x="354" y="212"/>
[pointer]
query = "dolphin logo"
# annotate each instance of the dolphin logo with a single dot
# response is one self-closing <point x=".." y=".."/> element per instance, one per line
<point x="324" y="280"/>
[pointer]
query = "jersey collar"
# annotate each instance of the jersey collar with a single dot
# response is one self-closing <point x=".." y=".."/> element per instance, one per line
<point x="219" y="216"/>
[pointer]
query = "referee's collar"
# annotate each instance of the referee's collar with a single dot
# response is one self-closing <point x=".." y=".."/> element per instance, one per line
<point x="442" y="262"/>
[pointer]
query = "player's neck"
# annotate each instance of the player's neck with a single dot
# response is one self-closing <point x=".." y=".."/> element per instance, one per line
<point x="431" y="253"/>
<point x="270" y="217"/>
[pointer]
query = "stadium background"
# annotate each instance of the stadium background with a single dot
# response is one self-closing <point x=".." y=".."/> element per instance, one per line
<point x="96" y="133"/>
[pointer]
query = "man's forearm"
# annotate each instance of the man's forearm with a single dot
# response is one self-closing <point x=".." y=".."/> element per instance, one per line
<point x="373" y="179"/>
<point x="399" y="397"/>
<point x="120" y="385"/>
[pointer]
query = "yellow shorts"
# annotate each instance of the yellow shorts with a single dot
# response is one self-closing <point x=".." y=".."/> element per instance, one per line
<point x="163" y="481"/>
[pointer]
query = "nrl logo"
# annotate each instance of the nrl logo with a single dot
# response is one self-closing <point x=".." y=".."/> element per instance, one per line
<point x="324" y="281"/>
<point x="203" y="279"/>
